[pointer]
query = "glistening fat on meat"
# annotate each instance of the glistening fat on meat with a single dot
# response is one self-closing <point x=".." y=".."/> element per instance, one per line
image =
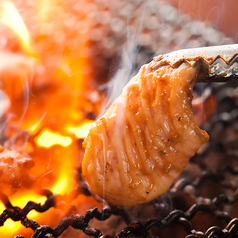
<point x="135" y="151"/>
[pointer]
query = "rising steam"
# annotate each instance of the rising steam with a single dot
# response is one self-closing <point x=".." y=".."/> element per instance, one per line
<point x="126" y="68"/>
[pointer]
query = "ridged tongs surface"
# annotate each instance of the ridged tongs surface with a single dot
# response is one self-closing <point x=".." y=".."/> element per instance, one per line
<point x="221" y="60"/>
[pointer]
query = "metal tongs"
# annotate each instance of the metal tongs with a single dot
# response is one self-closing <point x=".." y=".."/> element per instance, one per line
<point x="221" y="60"/>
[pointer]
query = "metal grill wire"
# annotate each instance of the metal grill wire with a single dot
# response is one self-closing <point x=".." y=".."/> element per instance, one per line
<point x="207" y="191"/>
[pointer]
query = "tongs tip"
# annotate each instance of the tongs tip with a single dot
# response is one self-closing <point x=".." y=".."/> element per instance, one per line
<point x="222" y="61"/>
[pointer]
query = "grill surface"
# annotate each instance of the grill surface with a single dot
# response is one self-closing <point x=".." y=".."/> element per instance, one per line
<point x="221" y="207"/>
<point x="201" y="203"/>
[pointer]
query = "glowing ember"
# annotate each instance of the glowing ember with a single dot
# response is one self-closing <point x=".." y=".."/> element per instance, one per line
<point x="82" y="130"/>
<point x="47" y="139"/>
<point x="62" y="152"/>
<point x="55" y="85"/>
<point x="12" y="19"/>
<point x="60" y="186"/>
<point x="19" y="201"/>
<point x="9" y="226"/>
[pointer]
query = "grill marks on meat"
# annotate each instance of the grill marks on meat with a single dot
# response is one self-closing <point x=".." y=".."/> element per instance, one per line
<point x="135" y="151"/>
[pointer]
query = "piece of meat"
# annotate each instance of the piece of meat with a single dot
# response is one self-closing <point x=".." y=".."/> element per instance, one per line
<point x="135" y="151"/>
<point x="13" y="169"/>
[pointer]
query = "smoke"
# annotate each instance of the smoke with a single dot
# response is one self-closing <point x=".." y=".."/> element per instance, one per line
<point x="20" y="78"/>
<point x="4" y="103"/>
<point x="122" y="76"/>
<point x="126" y="68"/>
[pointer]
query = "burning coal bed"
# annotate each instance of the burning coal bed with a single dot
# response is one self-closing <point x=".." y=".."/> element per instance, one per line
<point x="201" y="203"/>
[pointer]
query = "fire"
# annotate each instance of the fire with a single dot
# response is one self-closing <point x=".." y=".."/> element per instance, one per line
<point x="64" y="158"/>
<point x="9" y="226"/>
<point x="60" y="186"/>
<point x="51" y="105"/>
<point x="82" y="130"/>
<point x="19" y="201"/>
<point x="13" y="20"/>
<point x="48" y="138"/>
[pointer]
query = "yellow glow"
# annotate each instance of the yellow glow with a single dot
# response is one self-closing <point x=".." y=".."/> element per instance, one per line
<point x="82" y="130"/>
<point x="34" y="128"/>
<point x="19" y="201"/>
<point x="13" y="20"/>
<point x="9" y="226"/>
<point x="32" y="214"/>
<point x="2" y="207"/>
<point x="60" y="186"/>
<point x="47" y="139"/>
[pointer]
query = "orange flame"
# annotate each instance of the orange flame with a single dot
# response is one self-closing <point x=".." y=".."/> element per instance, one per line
<point x="19" y="201"/>
<point x="58" y="154"/>
<point x="82" y="130"/>
<point x="13" y="20"/>
<point x="48" y="138"/>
